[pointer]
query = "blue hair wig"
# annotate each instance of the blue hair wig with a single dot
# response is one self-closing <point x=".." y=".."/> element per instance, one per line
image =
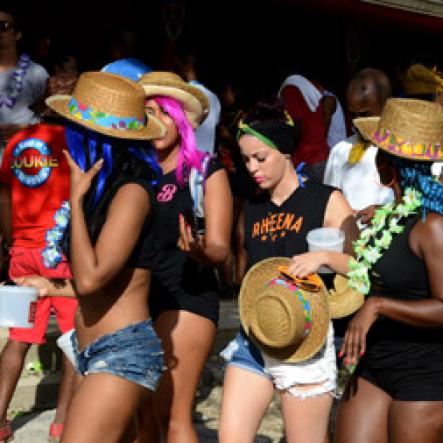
<point x="86" y="146"/>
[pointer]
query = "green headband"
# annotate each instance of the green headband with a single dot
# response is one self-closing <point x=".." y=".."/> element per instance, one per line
<point x="281" y="135"/>
<point x="244" y="128"/>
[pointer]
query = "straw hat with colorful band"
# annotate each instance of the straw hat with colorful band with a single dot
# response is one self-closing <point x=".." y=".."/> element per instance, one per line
<point x="276" y="134"/>
<point x="285" y="322"/>
<point x="108" y="104"/>
<point x="343" y="300"/>
<point x="407" y="128"/>
<point x="162" y="83"/>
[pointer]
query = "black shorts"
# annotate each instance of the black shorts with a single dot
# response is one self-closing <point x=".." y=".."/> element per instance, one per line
<point x="205" y="304"/>
<point x="423" y="383"/>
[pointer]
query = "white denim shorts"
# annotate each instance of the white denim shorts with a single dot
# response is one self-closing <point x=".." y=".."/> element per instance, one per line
<point x="320" y="370"/>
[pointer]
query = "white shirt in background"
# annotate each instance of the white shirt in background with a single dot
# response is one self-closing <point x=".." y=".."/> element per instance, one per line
<point x="359" y="182"/>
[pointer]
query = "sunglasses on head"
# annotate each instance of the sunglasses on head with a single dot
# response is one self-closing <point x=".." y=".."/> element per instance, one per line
<point x="5" y="25"/>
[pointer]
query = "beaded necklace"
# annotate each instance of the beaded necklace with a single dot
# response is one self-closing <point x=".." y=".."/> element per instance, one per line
<point x="378" y="237"/>
<point x="15" y="84"/>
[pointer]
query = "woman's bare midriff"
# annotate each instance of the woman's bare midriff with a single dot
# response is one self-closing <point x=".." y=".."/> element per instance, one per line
<point x="124" y="301"/>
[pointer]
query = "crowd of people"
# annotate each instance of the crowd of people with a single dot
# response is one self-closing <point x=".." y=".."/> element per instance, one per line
<point x="134" y="198"/>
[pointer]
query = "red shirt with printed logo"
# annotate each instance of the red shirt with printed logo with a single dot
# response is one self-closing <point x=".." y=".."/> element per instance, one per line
<point x="37" y="172"/>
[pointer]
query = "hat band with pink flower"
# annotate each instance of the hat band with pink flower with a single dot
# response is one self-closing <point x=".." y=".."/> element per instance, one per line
<point x="405" y="148"/>
<point x="407" y="128"/>
<point x="85" y="113"/>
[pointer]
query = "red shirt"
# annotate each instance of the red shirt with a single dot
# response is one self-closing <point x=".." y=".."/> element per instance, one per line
<point x="313" y="147"/>
<point x="37" y="172"/>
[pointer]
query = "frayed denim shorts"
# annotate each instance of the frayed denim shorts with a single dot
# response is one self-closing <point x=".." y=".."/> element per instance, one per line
<point x="241" y="352"/>
<point x="320" y="371"/>
<point x="133" y="353"/>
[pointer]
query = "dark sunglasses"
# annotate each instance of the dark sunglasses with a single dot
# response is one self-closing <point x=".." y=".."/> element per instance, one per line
<point x="5" y="25"/>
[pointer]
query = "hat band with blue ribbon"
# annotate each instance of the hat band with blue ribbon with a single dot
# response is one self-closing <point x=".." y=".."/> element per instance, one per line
<point x="88" y="114"/>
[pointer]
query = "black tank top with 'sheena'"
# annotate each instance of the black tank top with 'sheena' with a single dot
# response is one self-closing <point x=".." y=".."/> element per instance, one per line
<point x="280" y="231"/>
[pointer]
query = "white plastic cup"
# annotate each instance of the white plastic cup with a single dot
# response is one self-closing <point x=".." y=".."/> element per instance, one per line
<point x="17" y="306"/>
<point x="326" y="239"/>
<point x="65" y="344"/>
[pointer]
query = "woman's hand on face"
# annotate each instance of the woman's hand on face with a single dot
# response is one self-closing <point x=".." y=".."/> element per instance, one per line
<point x="81" y="180"/>
<point x="354" y="345"/>
<point x="187" y="242"/>
<point x="304" y="264"/>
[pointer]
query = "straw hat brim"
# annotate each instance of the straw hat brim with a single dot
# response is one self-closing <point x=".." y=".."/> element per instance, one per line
<point x="343" y="300"/>
<point x="367" y="127"/>
<point x="194" y="101"/>
<point x="255" y="280"/>
<point x="154" y="128"/>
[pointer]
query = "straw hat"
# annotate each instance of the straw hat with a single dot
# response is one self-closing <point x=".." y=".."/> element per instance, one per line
<point x="419" y="80"/>
<point x="108" y="104"/>
<point x="407" y="128"/>
<point x="284" y="321"/>
<point x="343" y="300"/>
<point x="194" y="101"/>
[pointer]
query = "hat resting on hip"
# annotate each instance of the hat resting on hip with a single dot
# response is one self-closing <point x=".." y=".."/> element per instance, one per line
<point x="162" y="83"/>
<point x="407" y="128"/>
<point x="108" y="104"/>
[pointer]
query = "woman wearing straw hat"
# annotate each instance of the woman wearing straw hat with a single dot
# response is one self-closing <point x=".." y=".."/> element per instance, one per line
<point x="117" y="350"/>
<point x="184" y="292"/>
<point x="275" y="223"/>
<point x="397" y="333"/>
<point x="401" y="371"/>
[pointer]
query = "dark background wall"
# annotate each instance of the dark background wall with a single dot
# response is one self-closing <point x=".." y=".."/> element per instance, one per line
<point x="259" y="42"/>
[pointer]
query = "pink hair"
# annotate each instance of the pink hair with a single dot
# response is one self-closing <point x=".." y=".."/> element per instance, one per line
<point x="189" y="156"/>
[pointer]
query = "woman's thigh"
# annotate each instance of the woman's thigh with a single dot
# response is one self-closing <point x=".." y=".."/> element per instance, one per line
<point x="416" y="421"/>
<point x="102" y="409"/>
<point x="187" y="339"/>
<point x="246" y="396"/>
<point x="306" y="419"/>
<point x="362" y="415"/>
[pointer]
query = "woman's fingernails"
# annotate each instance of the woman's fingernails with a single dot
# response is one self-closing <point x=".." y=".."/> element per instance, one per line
<point x="362" y="353"/>
<point x="340" y="354"/>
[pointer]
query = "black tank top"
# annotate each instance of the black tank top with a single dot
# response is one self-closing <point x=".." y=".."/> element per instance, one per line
<point x="401" y="275"/>
<point x="174" y="271"/>
<point x="272" y="230"/>
<point x="144" y="253"/>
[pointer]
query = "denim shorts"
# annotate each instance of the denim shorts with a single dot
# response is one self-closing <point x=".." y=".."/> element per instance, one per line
<point x="319" y="371"/>
<point x="133" y="353"/>
<point x="241" y="352"/>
